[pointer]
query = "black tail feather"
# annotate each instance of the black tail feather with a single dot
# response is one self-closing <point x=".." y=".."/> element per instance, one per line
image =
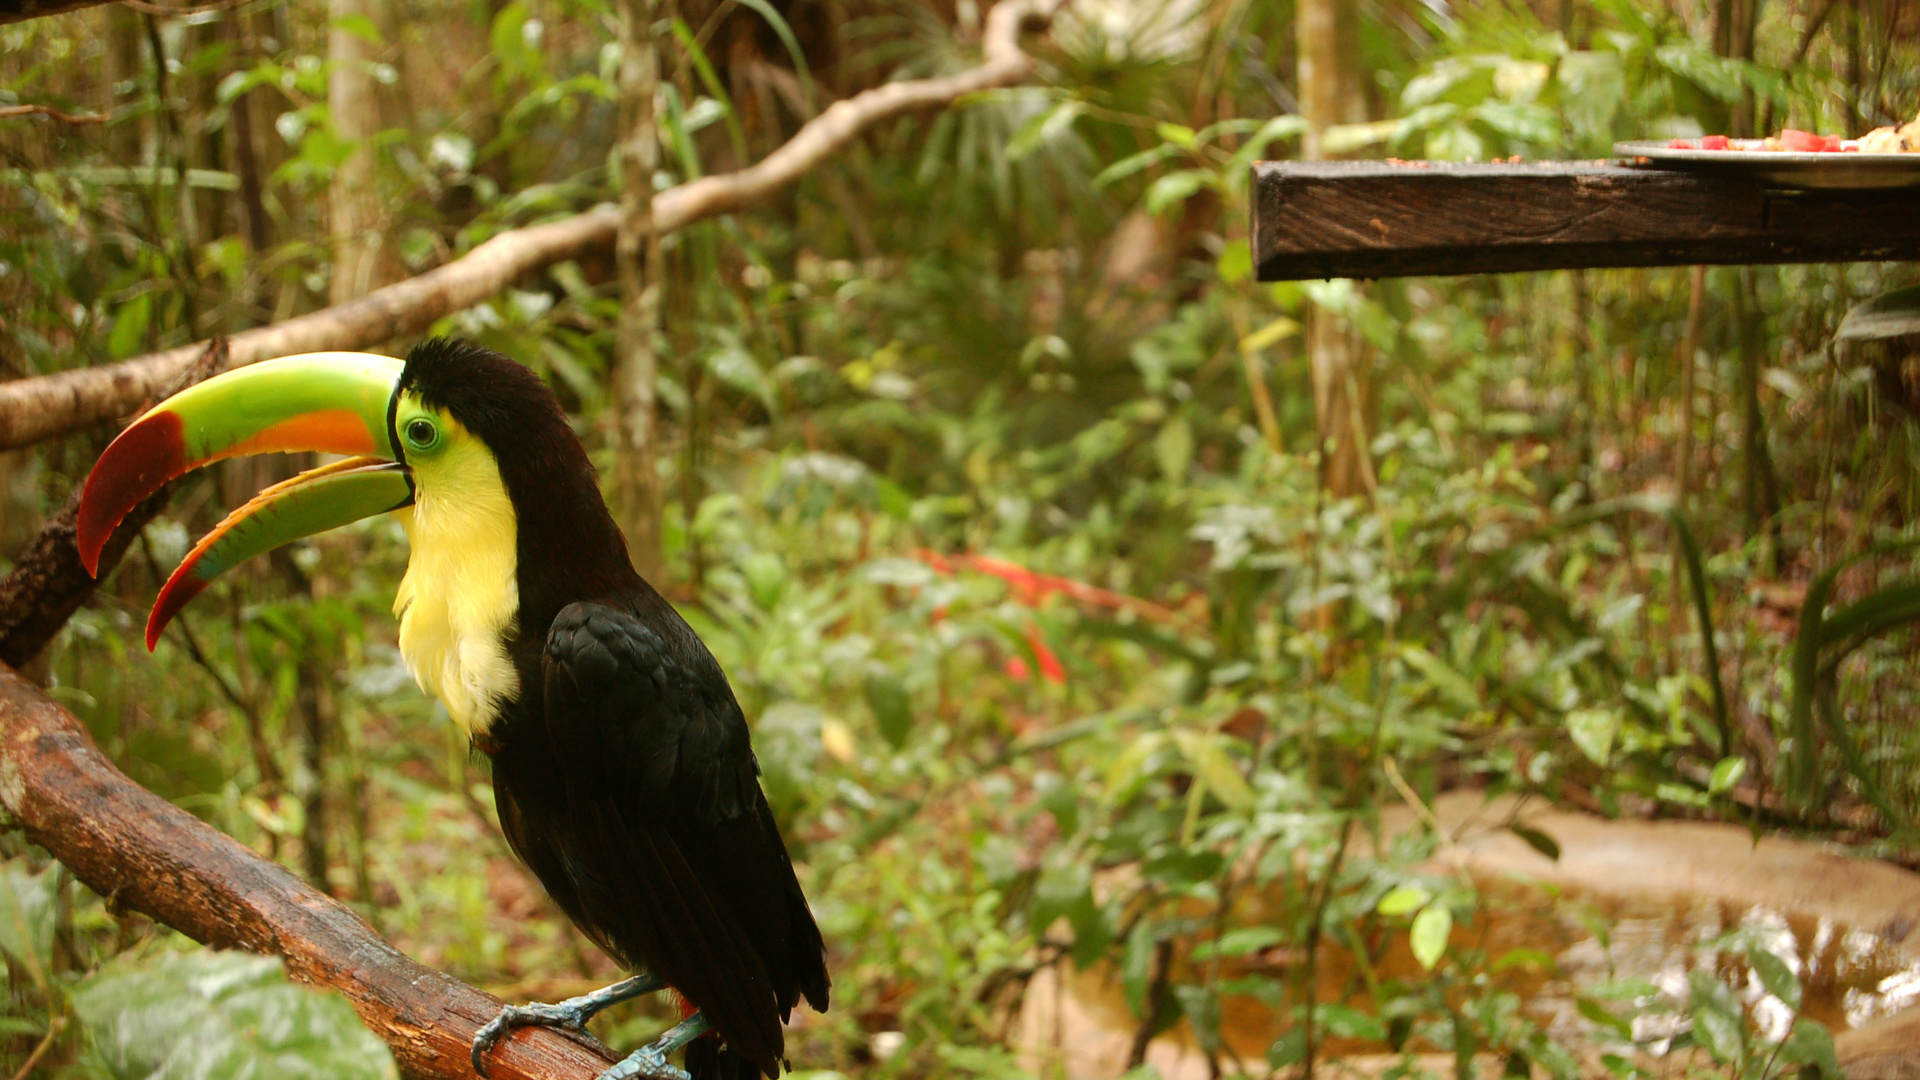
<point x="710" y="1059"/>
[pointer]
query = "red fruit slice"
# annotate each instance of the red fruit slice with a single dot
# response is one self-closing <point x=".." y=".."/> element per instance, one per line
<point x="1715" y="142"/>
<point x="1802" y="142"/>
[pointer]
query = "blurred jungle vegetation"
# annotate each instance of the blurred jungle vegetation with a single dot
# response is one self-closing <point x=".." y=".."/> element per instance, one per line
<point x="994" y="480"/>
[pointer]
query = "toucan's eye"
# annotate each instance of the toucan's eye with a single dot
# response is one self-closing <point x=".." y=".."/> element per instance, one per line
<point x="421" y="433"/>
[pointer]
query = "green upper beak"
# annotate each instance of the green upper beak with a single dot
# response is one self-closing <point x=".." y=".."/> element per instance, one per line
<point x="336" y="402"/>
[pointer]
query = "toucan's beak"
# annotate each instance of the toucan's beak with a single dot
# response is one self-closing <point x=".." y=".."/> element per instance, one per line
<point x="336" y="402"/>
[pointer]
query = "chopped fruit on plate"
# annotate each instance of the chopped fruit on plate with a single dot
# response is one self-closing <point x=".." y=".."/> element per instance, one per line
<point x="1806" y="142"/>
<point x="1886" y="140"/>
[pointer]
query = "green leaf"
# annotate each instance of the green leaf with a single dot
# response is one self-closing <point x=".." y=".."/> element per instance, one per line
<point x="1718" y="1033"/>
<point x="1593" y="89"/>
<point x="1201" y="1007"/>
<point x="1280" y="127"/>
<point x="1238" y="942"/>
<point x="210" y="1016"/>
<point x="1431" y="85"/>
<point x="1867" y="616"/>
<point x="1726" y="773"/>
<point x="1401" y="900"/>
<point x="1524" y="123"/>
<point x="1173" y="448"/>
<point x="1134" y="163"/>
<point x="1045" y="128"/>
<point x="1537" y="840"/>
<point x="1456" y="142"/>
<point x="892" y="706"/>
<point x="130" y="327"/>
<point x="1175" y="188"/>
<point x="1346" y="138"/>
<point x="1716" y="1017"/>
<point x="1891" y="314"/>
<point x="1235" y="263"/>
<point x="1593" y="731"/>
<point x="1062" y="888"/>
<point x="785" y="33"/>
<point x="1450" y="683"/>
<point x="1431" y="929"/>
<point x="736" y="367"/>
<point x="1129" y="769"/>
<point x="1290" y="1048"/>
<point x="1599" y="1015"/>
<point x="767" y="578"/>
<point x="1347" y="1022"/>
<point x="1184" y="866"/>
<point x="361" y="27"/>
<point x="1136" y="965"/>
<point x="690" y="45"/>
<point x="1775" y="975"/>
<point x="27" y="911"/>
<point x="1716" y="75"/>
<point x="1269" y="335"/>
<point x="1810" y="1045"/>
<point x="1177" y="134"/>
<point x="1208" y="757"/>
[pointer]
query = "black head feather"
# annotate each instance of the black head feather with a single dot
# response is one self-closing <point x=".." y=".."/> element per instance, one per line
<point x="497" y="398"/>
<point x="570" y="549"/>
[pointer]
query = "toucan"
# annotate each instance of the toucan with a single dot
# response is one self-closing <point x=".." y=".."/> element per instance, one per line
<point x="622" y="767"/>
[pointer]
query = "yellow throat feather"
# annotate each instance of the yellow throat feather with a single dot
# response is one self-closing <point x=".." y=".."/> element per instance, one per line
<point x="460" y="596"/>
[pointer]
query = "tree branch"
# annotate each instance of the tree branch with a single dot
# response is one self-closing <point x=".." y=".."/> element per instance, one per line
<point x="48" y="583"/>
<point x="142" y="852"/>
<point x="53" y="113"/>
<point x="52" y="405"/>
<point x="21" y="10"/>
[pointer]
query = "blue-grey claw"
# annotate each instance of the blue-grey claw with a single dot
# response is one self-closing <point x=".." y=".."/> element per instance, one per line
<point x="650" y="1061"/>
<point x="571" y="1014"/>
<point x="645" y="1063"/>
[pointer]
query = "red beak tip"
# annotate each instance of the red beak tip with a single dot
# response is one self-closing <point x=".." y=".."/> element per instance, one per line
<point x="89" y="556"/>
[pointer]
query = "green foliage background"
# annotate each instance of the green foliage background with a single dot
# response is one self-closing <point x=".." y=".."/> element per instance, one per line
<point x="1023" y="328"/>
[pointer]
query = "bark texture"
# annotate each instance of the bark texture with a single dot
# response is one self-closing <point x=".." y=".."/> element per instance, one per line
<point x="353" y="200"/>
<point x="144" y="853"/>
<point x="1326" y="219"/>
<point x="41" y="408"/>
<point x="636" y="475"/>
<point x="1331" y="92"/>
<point x="20" y="10"/>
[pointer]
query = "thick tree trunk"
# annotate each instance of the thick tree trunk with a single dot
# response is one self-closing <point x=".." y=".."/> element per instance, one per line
<point x="127" y="139"/>
<point x="353" y="200"/>
<point x="637" y="250"/>
<point x="1733" y="28"/>
<point x="1331" y="92"/>
<point x="355" y="220"/>
<point x="1759" y="486"/>
<point x="247" y="116"/>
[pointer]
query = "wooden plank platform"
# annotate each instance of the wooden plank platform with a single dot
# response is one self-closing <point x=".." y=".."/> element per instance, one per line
<point x="1366" y="219"/>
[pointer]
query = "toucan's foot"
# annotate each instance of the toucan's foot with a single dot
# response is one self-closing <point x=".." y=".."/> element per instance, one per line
<point x="650" y="1061"/>
<point x="571" y="1014"/>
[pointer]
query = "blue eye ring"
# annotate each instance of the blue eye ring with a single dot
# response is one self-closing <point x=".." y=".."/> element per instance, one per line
<point x="421" y="433"/>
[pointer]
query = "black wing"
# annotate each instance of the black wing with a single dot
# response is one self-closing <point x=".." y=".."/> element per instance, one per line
<point x="663" y="848"/>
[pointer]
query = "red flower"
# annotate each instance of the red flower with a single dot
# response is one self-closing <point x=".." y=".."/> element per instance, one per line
<point x="1049" y="664"/>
